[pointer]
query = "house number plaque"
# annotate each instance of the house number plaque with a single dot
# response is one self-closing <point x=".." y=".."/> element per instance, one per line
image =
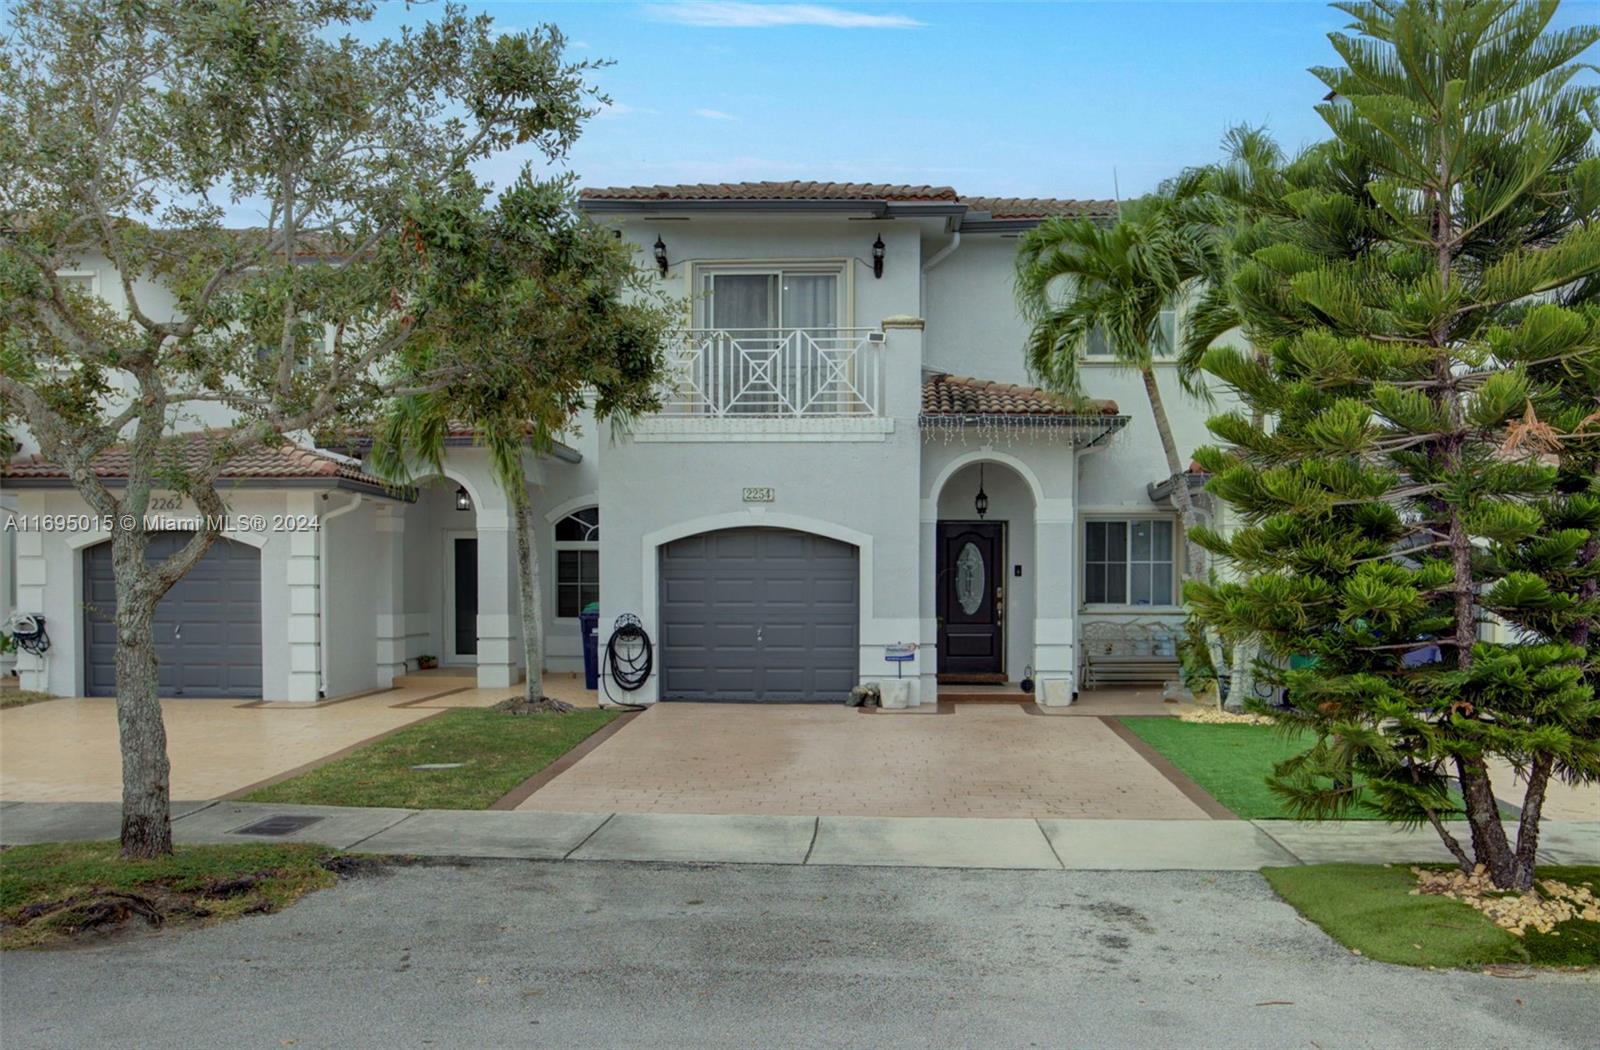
<point x="760" y="495"/>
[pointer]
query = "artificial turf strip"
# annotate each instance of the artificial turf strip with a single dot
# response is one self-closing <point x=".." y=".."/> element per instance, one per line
<point x="1230" y="762"/>
<point x="497" y="751"/>
<point x="53" y="892"/>
<point x="1369" y="908"/>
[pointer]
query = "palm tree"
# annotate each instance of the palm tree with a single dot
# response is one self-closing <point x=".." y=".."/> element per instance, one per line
<point x="1077" y="279"/>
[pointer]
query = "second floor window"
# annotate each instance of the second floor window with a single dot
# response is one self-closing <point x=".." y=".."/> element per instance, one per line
<point x="1098" y="348"/>
<point x="768" y="299"/>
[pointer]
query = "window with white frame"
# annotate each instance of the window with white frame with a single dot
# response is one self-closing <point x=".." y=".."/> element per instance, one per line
<point x="577" y="561"/>
<point x="766" y="298"/>
<point x="1130" y="562"/>
<point x="82" y="280"/>
<point x="1097" y="347"/>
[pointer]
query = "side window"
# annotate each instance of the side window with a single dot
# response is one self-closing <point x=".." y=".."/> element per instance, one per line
<point x="577" y="539"/>
<point x="1129" y="562"/>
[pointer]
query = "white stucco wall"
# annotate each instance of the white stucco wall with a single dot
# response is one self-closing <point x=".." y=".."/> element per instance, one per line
<point x="862" y="491"/>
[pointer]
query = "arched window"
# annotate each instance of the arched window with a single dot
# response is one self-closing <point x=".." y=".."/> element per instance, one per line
<point x="577" y="561"/>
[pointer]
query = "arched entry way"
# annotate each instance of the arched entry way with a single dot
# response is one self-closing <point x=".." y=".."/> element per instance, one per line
<point x="757" y="613"/>
<point x="984" y="569"/>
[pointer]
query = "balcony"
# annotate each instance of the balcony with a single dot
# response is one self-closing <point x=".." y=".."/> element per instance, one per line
<point x="774" y="373"/>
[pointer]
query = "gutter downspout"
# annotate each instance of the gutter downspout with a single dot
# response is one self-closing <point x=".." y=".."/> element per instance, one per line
<point x="322" y="592"/>
<point x="938" y="257"/>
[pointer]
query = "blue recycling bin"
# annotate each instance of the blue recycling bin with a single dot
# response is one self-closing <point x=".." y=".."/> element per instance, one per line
<point x="589" y="627"/>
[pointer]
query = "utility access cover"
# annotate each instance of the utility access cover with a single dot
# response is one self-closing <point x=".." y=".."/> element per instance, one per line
<point x="283" y="824"/>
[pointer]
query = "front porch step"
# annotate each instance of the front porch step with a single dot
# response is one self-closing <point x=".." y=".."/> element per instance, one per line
<point x="994" y="694"/>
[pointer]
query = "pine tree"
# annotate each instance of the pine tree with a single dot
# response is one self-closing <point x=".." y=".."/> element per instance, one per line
<point x="1426" y="460"/>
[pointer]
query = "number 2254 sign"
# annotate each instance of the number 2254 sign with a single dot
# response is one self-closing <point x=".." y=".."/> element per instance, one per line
<point x="760" y="495"/>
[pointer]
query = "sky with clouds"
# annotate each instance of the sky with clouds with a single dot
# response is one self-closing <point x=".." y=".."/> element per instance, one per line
<point x="1024" y="99"/>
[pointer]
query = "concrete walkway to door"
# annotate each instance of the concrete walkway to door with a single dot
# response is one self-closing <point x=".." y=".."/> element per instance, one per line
<point x="979" y="760"/>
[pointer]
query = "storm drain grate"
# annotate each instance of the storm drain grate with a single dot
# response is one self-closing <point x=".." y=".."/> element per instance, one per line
<point x="279" y="825"/>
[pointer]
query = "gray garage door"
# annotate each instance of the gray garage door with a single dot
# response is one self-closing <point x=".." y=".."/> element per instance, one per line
<point x="207" y="628"/>
<point x="758" y="614"/>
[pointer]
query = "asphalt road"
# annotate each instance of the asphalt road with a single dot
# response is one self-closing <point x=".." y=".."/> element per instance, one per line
<point x="633" y="955"/>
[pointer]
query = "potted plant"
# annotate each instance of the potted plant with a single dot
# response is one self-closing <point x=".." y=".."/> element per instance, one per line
<point x="427" y="663"/>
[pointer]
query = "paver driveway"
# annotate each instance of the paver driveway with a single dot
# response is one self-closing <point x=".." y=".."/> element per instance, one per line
<point x="981" y="760"/>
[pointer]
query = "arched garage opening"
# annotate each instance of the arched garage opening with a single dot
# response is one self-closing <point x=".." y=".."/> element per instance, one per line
<point x="759" y="614"/>
<point x="207" y="627"/>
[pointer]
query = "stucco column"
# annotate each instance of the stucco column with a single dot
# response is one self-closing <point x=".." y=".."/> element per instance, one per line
<point x="305" y="604"/>
<point x="30" y="566"/>
<point x="389" y="593"/>
<point x="1055" y="600"/>
<point x="928" y="601"/>
<point x="499" y="644"/>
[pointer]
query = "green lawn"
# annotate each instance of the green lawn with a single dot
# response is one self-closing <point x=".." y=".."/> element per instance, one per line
<point x="1230" y="762"/>
<point x="1369" y="908"/>
<point x="52" y="892"/>
<point x="497" y="751"/>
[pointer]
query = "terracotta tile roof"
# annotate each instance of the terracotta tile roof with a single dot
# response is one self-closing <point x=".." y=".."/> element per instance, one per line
<point x="948" y="395"/>
<point x="283" y="461"/>
<point x="996" y="207"/>
<point x="1040" y="207"/>
<point x="773" y="191"/>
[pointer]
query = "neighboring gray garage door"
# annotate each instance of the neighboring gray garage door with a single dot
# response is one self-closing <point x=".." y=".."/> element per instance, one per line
<point x="207" y="628"/>
<point x="758" y="614"/>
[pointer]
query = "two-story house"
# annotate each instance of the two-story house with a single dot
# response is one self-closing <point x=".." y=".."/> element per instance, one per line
<point x="848" y="458"/>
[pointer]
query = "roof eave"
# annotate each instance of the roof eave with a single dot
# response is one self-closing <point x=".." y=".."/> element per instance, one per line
<point x="874" y="209"/>
<point x="1087" y="431"/>
<point x="400" y="494"/>
<point x="1161" y="491"/>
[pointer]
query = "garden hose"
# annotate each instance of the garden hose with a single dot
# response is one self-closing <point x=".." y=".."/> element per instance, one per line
<point x="27" y="630"/>
<point x="630" y="658"/>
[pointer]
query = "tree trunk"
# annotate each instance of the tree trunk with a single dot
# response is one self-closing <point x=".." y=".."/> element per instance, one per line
<point x="1242" y="684"/>
<point x="532" y="609"/>
<point x="1180" y="496"/>
<point x="146" y="771"/>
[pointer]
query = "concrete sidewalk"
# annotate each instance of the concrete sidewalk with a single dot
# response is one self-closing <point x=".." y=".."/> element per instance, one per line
<point x="924" y="842"/>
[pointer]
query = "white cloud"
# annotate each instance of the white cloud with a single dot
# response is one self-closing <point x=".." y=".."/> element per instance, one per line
<point x="613" y="110"/>
<point x="732" y="14"/>
<point x="714" y="114"/>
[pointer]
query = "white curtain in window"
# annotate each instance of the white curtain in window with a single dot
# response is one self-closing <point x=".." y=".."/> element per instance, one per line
<point x="810" y="300"/>
<point x="743" y="300"/>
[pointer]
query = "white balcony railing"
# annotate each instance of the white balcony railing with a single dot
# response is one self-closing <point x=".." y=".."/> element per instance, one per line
<point x="774" y="372"/>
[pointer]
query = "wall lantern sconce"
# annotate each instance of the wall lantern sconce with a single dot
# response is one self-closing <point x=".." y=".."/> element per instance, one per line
<point x="981" y="504"/>
<point x="463" y="501"/>
<point x="661" y="256"/>
<point x="877" y="256"/>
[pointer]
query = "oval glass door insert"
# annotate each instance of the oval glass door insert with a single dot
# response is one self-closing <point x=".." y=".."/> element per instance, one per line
<point x="969" y="578"/>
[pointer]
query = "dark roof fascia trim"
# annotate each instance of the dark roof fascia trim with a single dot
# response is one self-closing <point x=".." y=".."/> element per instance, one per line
<point x="403" y="495"/>
<point x="876" y="209"/>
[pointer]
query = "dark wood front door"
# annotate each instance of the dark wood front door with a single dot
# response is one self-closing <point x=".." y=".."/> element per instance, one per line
<point x="971" y="591"/>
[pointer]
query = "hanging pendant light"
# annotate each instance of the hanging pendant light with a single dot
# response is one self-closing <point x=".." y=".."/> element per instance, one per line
<point x="981" y="503"/>
<point x="463" y="501"/>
